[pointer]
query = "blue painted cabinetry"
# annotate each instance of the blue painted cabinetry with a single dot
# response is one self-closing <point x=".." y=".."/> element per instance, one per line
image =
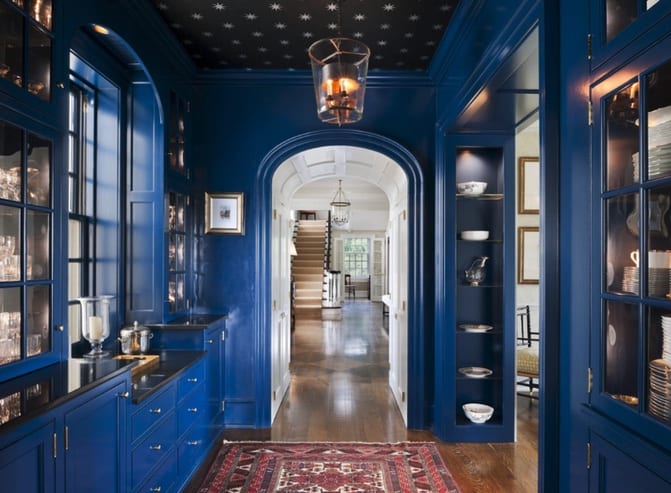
<point x="75" y="446"/>
<point x="27" y="464"/>
<point x="628" y="406"/>
<point x="200" y="332"/>
<point x="168" y="433"/>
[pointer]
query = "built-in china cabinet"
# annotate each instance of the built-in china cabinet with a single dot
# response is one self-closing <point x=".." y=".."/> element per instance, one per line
<point x="25" y="247"/>
<point x="629" y="371"/>
<point x="478" y="330"/>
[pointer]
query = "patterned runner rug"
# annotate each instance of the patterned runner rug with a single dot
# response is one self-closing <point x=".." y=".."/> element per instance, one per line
<point x="328" y="467"/>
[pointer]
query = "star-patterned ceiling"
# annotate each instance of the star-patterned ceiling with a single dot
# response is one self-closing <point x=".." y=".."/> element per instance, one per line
<point x="276" y="34"/>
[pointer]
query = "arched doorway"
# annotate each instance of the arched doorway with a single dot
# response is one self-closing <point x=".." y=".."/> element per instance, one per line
<point x="377" y="188"/>
<point x="417" y="389"/>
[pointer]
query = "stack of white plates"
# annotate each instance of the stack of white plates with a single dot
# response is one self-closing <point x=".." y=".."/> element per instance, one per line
<point x="666" y="338"/>
<point x="634" y="162"/>
<point x="658" y="281"/>
<point x="659" y="398"/>
<point x="630" y="279"/>
<point x="659" y="143"/>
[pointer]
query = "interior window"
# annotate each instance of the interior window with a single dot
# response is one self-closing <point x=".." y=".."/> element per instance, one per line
<point x="357" y="257"/>
<point x="81" y="204"/>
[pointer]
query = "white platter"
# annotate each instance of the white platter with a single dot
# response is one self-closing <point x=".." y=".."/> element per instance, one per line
<point x="475" y="372"/>
<point x="474" y="235"/>
<point x="475" y="327"/>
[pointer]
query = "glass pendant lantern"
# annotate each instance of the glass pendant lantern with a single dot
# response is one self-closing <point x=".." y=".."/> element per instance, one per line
<point x="340" y="208"/>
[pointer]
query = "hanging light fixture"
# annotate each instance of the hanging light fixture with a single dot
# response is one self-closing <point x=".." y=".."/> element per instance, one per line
<point x="340" y="207"/>
<point x="339" y="68"/>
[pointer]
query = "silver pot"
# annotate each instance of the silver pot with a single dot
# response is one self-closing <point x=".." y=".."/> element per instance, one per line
<point x="145" y="335"/>
<point x="130" y="341"/>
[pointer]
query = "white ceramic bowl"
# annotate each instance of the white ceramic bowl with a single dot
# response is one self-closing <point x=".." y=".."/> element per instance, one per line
<point x="478" y="413"/>
<point x="474" y="235"/>
<point x="472" y="187"/>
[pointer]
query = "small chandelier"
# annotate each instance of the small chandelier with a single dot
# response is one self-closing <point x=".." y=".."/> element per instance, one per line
<point x="339" y="68"/>
<point x="340" y="207"/>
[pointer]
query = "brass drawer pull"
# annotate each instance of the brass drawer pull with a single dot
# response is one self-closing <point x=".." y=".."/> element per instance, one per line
<point x="124" y="395"/>
<point x="155" y="447"/>
<point x="193" y="409"/>
<point x="192" y="380"/>
<point x="210" y="341"/>
<point x="193" y="442"/>
<point x="157" y="489"/>
<point x="155" y="411"/>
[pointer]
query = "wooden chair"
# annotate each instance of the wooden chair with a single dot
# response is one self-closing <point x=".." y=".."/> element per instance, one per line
<point x="528" y="360"/>
<point x="350" y="290"/>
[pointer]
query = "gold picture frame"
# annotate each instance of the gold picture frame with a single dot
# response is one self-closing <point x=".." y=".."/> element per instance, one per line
<point x="528" y="254"/>
<point x="224" y="213"/>
<point x="528" y="190"/>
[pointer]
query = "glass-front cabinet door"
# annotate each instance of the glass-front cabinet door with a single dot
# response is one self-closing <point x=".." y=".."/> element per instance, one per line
<point x="26" y="40"/>
<point x="25" y="245"/>
<point x="631" y="350"/>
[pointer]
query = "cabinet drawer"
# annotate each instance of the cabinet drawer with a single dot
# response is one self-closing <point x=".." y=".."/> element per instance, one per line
<point x="190" y="409"/>
<point x="191" y="378"/>
<point x="153" y="449"/>
<point x="163" y="480"/>
<point x="151" y="411"/>
<point x="192" y="449"/>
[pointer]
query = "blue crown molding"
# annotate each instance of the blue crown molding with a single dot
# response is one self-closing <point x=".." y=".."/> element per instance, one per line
<point x="265" y="78"/>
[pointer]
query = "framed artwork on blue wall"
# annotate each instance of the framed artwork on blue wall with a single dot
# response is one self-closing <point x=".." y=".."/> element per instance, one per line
<point x="224" y="213"/>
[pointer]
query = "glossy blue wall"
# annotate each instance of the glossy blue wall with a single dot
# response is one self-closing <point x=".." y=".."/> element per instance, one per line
<point x="237" y="122"/>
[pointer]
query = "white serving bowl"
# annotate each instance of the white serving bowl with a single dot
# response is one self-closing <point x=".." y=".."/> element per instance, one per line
<point x="478" y="413"/>
<point x="474" y="235"/>
<point x="472" y="187"/>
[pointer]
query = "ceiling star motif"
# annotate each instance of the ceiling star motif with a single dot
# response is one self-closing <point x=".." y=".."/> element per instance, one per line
<point x="231" y="34"/>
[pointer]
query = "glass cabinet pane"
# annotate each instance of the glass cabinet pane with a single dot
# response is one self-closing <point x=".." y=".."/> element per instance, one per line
<point x="38" y="171"/>
<point x="620" y="336"/>
<point x="658" y="109"/>
<point x="622" y="253"/>
<point x="37" y="231"/>
<point x="10" y="244"/>
<point x="11" y="144"/>
<point x="10" y="325"/>
<point x="37" y="327"/>
<point x="622" y="13"/>
<point x="11" y="44"/>
<point x="658" y="381"/>
<point x="38" y="77"/>
<point x="622" y="138"/>
<point x="40" y="11"/>
<point x="659" y="242"/>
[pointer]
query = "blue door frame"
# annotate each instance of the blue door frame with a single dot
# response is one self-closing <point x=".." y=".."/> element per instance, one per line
<point x="416" y="328"/>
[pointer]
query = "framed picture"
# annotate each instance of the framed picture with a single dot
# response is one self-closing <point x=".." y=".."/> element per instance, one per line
<point x="528" y="191"/>
<point x="528" y="255"/>
<point x="224" y="213"/>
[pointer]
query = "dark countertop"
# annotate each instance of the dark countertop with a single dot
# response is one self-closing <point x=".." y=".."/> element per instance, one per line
<point x="28" y="396"/>
<point x="194" y="321"/>
<point x="171" y="365"/>
<point x="36" y="393"/>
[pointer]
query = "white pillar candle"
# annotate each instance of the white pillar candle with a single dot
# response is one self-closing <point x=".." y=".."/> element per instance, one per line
<point x="95" y="328"/>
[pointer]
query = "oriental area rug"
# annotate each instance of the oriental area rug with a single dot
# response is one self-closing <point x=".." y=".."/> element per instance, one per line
<point x="331" y="467"/>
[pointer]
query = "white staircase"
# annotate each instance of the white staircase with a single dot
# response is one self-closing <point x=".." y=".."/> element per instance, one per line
<point x="307" y="268"/>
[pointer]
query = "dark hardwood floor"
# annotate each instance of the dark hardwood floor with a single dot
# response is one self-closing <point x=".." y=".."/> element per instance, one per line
<point x="339" y="392"/>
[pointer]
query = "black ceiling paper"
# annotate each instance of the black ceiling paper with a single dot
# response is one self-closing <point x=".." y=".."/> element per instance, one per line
<point x="243" y="34"/>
